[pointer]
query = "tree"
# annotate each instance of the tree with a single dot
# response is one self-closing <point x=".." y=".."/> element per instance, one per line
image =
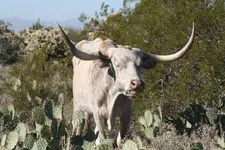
<point x="162" y="27"/>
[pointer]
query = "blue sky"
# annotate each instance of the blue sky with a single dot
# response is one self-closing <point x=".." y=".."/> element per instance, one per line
<point x="52" y="9"/>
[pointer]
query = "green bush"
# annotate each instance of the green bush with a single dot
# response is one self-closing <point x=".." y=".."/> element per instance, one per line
<point x="36" y="80"/>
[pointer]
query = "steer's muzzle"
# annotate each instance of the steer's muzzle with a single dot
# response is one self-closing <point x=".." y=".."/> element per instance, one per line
<point x="136" y="85"/>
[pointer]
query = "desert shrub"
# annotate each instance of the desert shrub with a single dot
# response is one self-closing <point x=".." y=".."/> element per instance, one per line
<point x="10" y="47"/>
<point x="35" y="80"/>
<point x="162" y="27"/>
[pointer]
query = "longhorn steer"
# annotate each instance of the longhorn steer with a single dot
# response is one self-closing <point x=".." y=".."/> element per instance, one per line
<point x="107" y="77"/>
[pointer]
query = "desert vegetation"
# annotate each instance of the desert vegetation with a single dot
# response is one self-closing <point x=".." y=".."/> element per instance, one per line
<point x="182" y="106"/>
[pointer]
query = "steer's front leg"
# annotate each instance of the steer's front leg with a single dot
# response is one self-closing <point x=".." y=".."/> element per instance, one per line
<point x="100" y="126"/>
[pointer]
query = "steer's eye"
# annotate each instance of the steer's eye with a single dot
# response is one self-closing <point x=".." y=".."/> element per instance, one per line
<point x="118" y="66"/>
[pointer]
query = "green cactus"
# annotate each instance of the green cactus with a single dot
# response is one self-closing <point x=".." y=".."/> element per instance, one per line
<point x="142" y="121"/>
<point x="48" y="106"/>
<point x="4" y="111"/>
<point x="88" y="145"/>
<point x="21" y="130"/>
<point x="29" y="142"/>
<point x="54" y="128"/>
<point x="46" y="132"/>
<point x="35" y="147"/>
<point x="157" y="120"/>
<point x="57" y="112"/>
<point x="139" y="142"/>
<point x="42" y="144"/>
<point x="38" y="127"/>
<point x="106" y="144"/>
<point x="38" y="115"/>
<point x="104" y="147"/>
<point x="130" y="145"/>
<point x="149" y="132"/>
<point x="149" y="122"/>
<point x="148" y="118"/>
<point x="78" y="147"/>
<point x="12" y="139"/>
<point x="212" y="114"/>
<point x="54" y="144"/>
<point x="220" y="142"/>
<point x="3" y="140"/>
<point x="62" y="128"/>
<point x="78" y="119"/>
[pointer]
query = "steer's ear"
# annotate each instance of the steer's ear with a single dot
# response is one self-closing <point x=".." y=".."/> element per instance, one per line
<point x="148" y="62"/>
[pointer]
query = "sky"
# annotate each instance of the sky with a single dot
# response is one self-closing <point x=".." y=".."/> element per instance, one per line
<point x="52" y="9"/>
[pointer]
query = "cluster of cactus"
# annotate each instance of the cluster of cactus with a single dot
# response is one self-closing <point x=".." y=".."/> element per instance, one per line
<point x="197" y="114"/>
<point x="13" y="45"/>
<point x="149" y="122"/>
<point x="37" y="39"/>
<point x="10" y="47"/>
<point x="4" y="27"/>
<point x="51" y="129"/>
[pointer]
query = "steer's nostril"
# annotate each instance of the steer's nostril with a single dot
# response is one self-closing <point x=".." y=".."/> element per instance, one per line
<point x="136" y="84"/>
<point x="133" y="83"/>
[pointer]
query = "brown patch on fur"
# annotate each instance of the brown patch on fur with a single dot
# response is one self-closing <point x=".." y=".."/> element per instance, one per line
<point x="105" y="45"/>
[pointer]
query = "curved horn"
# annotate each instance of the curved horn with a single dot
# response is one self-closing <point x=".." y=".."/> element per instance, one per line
<point x="76" y="52"/>
<point x="175" y="56"/>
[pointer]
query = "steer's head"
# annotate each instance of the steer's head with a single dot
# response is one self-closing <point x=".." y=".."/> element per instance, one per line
<point x="125" y="62"/>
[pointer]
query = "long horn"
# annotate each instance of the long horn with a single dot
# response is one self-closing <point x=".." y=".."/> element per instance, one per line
<point x="175" y="56"/>
<point x="76" y="52"/>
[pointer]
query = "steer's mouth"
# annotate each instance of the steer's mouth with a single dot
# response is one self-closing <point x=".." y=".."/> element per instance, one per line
<point x="131" y="93"/>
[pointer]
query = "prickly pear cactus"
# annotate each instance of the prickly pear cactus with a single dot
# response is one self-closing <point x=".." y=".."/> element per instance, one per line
<point x="105" y="145"/>
<point x="157" y="120"/>
<point x="212" y="114"/>
<point x="88" y="145"/>
<point x="11" y="110"/>
<point x="4" y="111"/>
<point x="149" y="132"/>
<point x="77" y="119"/>
<point x="130" y="145"/>
<point x="41" y="144"/>
<point x="220" y="142"/>
<point x="29" y="142"/>
<point x="48" y="107"/>
<point x="142" y="121"/>
<point x="139" y="142"/>
<point x="148" y="118"/>
<point x="62" y="128"/>
<point x="35" y="147"/>
<point x="38" y="127"/>
<point x="3" y="140"/>
<point x="149" y="121"/>
<point x="78" y="147"/>
<point x="12" y="139"/>
<point x="38" y="115"/>
<point x="21" y="130"/>
<point x="57" y="112"/>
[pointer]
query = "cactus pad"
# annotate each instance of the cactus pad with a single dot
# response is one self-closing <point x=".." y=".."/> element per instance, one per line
<point x="38" y="115"/>
<point x="148" y="118"/>
<point x="77" y="120"/>
<point x="12" y="139"/>
<point x="130" y="145"/>
<point x="21" y="130"/>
